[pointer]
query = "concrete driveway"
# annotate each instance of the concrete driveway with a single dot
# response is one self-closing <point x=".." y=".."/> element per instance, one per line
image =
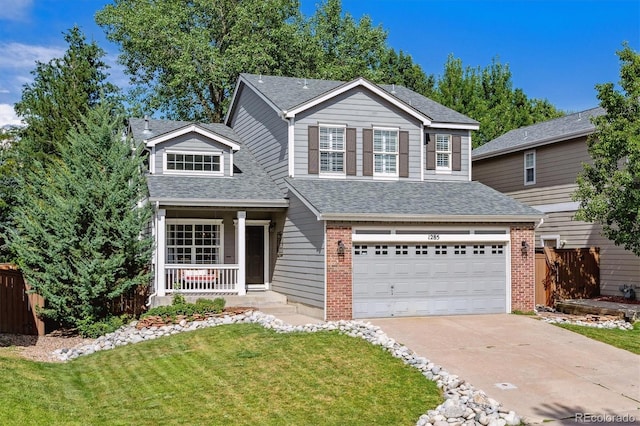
<point x="540" y="371"/>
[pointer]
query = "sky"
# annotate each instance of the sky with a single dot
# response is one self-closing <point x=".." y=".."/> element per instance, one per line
<point x="556" y="49"/>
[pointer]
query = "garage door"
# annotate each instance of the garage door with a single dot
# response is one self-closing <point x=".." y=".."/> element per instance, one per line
<point x="428" y="279"/>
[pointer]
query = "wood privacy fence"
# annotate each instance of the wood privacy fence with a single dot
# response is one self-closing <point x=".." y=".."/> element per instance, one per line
<point x="567" y="274"/>
<point x="17" y="305"/>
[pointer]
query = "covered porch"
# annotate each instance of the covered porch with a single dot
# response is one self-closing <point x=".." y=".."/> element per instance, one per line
<point x="214" y="251"/>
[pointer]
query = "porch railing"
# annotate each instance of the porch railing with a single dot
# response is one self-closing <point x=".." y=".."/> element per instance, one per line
<point x="201" y="278"/>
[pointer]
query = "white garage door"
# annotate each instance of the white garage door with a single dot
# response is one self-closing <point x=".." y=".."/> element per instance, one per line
<point x="428" y="279"/>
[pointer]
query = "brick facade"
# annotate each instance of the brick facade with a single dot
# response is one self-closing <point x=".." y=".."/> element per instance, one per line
<point x="339" y="296"/>
<point x="339" y="300"/>
<point x="522" y="269"/>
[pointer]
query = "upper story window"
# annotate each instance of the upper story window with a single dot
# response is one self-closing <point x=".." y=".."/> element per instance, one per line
<point x="529" y="167"/>
<point x="193" y="162"/>
<point x="332" y="149"/>
<point x="385" y="152"/>
<point x="443" y="152"/>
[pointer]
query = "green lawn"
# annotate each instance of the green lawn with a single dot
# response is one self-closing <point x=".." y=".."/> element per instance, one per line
<point x="235" y="375"/>
<point x="623" y="339"/>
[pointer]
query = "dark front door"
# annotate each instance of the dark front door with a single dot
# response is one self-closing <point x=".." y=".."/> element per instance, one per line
<point x="255" y="254"/>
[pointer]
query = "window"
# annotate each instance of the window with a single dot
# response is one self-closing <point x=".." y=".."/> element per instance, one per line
<point x="381" y="250"/>
<point x="422" y="249"/>
<point x="332" y="149"/>
<point x="385" y="152"/>
<point x="529" y="167"/>
<point x="459" y="249"/>
<point x="194" y="243"/>
<point x="402" y="250"/>
<point x="440" y="250"/>
<point x="196" y="162"/>
<point x="360" y="250"/>
<point x="443" y="152"/>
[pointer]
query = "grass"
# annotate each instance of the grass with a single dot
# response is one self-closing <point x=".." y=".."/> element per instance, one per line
<point x="624" y="339"/>
<point x="240" y="375"/>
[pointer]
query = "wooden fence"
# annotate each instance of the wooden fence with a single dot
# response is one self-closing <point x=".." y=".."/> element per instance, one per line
<point x="567" y="274"/>
<point x="17" y="305"/>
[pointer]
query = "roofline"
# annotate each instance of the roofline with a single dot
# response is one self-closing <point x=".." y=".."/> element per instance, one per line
<point x="196" y="128"/>
<point x="376" y="217"/>
<point x="360" y="81"/>
<point x="533" y="144"/>
<point x="198" y="202"/>
<point x="243" y="80"/>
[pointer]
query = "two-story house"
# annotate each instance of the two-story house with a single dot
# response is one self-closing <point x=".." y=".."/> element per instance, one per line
<point x="351" y="198"/>
<point x="538" y="165"/>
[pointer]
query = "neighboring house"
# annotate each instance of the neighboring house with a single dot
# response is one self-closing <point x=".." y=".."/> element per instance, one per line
<point x="538" y="165"/>
<point x="350" y="198"/>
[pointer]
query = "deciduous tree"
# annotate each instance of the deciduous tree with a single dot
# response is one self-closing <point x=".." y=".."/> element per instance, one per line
<point x="609" y="189"/>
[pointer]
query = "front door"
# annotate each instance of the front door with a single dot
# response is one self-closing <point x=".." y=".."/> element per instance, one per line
<point x="255" y="255"/>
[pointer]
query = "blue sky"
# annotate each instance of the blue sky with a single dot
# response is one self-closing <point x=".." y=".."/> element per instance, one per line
<point x="556" y="49"/>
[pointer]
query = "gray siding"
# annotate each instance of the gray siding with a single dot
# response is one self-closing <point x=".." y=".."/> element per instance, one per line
<point x="556" y="164"/>
<point x="299" y="269"/>
<point x="545" y="195"/>
<point x="264" y="133"/>
<point x="358" y="109"/>
<point x="195" y="143"/>
<point x="463" y="173"/>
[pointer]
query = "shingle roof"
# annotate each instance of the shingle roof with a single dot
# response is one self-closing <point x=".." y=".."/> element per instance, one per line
<point x="556" y="130"/>
<point x="389" y="200"/>
<point x="287" y="93"/>
<point x="250" y="184"/>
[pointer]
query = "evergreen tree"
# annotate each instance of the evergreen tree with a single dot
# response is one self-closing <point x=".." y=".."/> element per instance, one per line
<point x="79" y="225"/>
<point x="609" y="189"/>
<point x="63" y="90"/>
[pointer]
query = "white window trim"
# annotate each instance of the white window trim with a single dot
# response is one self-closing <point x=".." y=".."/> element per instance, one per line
<point x="533" y="182"/>
<point x="218" y="222"/>
<point x="554" y="237"/>
<point x="344" y="150"/>
<point x="449" y="152"/>
<point x="397" y="152"/>
<point x="193" y="172"/>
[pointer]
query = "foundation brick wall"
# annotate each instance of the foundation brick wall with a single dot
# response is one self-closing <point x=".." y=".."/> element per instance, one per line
<point x="339" y="273"/>
<point x="522" y="269"/>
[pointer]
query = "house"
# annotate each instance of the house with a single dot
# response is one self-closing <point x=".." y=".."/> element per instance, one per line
<point x="353" y="199"/>
<point x="538" y="165"/>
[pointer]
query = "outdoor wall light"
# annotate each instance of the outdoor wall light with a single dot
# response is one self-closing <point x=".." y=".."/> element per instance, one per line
<point x="525" y="248"/>
<point x="340" y="247"/>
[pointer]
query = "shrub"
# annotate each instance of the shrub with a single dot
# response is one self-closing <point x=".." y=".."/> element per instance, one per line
<point x="92" y="329"/>
<point x="180" y="307"/>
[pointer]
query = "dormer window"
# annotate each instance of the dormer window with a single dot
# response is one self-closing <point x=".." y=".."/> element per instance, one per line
<point x="186" y="162"/>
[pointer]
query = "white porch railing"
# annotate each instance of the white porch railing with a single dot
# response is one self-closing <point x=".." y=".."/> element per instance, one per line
<point x="201" y="278"/>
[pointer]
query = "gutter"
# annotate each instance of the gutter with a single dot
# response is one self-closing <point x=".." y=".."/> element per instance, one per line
<point x="196" y="202"/>
<point x="376" y="217"/>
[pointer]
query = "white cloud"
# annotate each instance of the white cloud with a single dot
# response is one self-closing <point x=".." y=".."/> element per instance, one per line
<point x="15" y="10"/>
<point x="19" y="56"/>
<point x="8" y="115"/>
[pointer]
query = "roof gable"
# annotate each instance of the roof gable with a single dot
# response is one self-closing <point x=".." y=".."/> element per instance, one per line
<point x="289" y="96"/>
<point x="192" y="128"/>
<point x="552" y="131"/>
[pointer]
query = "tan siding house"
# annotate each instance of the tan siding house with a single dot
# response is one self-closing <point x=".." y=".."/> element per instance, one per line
<point x="554" y="153"/>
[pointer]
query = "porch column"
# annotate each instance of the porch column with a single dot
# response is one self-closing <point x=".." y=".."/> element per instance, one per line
<point x="242" y="259"/>
<point x="161" y="235"/>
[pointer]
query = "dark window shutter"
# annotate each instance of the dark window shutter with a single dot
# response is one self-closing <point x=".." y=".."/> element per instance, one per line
<point x="351" y="151"/>
<point x="367" y="152"/>
<point x="314" y="140"/>
<point x="431" y="151"/>
<point x="456" y="150"/>
<point x="404" y="154"/>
